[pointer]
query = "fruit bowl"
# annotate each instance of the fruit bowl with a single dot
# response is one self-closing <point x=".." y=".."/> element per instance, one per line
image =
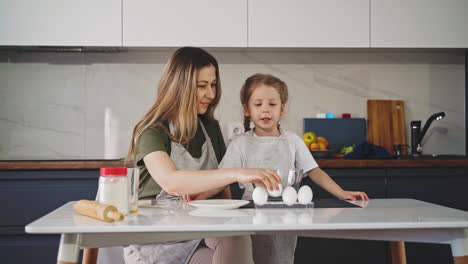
<point x="320" y="154"/>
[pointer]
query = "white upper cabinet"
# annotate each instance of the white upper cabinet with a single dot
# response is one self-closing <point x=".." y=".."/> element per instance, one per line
<point x="205" y="23"/>
<point x="61" y="23"/>
<point x="309" y="23"/>
<point x="419" y="23"/>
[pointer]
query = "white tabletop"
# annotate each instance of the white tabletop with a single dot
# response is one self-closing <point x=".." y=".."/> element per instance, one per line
<point x="375" y="214"/>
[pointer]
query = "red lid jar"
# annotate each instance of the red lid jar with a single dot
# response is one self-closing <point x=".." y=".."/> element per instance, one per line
<point x="113" y="188"/>
<point x="113" y="171"/>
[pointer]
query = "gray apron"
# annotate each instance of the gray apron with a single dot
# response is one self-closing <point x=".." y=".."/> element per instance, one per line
<point x="180" y="251"/>
<point x="270" y="153"/>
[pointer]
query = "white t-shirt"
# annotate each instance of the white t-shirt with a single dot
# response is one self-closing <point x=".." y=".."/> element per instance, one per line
<point x="237" y="150"/>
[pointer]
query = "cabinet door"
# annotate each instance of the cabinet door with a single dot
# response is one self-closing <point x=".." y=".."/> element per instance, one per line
<point x="419" y="23"/>
<point x="28" y="195"/>
<point x="443" y="186"/>
<point x="207" y="23"/>
<point x="309" y="23"/>
<point x="25" y="248"/>
<point x="371" y="181"/>
<point x="60" y="23"/>
<point x="39" y="192"/>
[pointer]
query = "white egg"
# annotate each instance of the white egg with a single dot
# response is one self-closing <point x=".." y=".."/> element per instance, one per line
<point x="289" y="195"/>
<point x="276" y="193"/>
<point x="259" y="195"/>
<point x="305" y="195"/>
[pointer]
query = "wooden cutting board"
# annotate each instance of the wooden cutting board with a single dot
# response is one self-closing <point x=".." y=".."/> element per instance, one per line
<point x="386" y="124"/>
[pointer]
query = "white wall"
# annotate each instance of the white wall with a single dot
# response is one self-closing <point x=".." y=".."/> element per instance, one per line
<point x="53" y="105"/>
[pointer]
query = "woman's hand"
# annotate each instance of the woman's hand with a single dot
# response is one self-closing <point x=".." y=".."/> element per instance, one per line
<point x="350" y="195"/>
<point x="220" y="193"/>
<point x="201" y="196"/>
<point x="268" y="178"/>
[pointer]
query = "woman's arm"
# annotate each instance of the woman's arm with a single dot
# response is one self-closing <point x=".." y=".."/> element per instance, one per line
<point x="218" y="193"/>
<point x="181" y="182"/>
<point x="322" y="179"/>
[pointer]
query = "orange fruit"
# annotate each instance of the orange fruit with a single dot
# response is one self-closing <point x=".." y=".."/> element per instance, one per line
<point x="314" y="146"/>
<point x="322" y="146"/>
<point x="323" y="141"/>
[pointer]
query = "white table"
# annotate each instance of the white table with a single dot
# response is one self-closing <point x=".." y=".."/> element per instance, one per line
<point x="379" y="219"/>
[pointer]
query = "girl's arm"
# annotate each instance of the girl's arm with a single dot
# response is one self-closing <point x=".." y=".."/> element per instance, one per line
<point x="182" y="182"/>
<point x="322" y="179"/>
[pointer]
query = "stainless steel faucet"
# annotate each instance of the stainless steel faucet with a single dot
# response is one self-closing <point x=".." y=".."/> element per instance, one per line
<point x="417" y="134"/>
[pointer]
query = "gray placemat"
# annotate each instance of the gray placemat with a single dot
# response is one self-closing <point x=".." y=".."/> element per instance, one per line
<point x="318" y="203"/>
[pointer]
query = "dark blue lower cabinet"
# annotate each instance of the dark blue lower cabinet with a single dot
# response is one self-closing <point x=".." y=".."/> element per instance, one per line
<point x="423" y="253"/>
<point x="29" y="248"/>
<point x="28" y="195"/>
<point x="26" y="248"/>
<point x="339" y="251"/>
<point x="442" y="186"/>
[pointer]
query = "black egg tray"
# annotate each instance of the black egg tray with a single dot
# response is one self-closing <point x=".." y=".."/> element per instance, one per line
<point x="316" y="203"/>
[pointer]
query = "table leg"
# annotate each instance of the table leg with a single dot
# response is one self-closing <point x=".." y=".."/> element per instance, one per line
<point x="90" y="255"/>
<point x="68" y="249"/>
<point x="459" y="247"/>
<point x="460" y="260"/>
<point x="398" y="252"/>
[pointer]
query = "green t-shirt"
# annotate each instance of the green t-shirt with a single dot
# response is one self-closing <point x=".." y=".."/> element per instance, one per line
<point x="156" y="139"/>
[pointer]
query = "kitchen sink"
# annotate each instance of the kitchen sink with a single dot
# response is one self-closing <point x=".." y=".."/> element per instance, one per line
<point x="433" y="157"/>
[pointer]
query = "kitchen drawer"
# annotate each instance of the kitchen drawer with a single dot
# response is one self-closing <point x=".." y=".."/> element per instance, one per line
<point x="28" y="195"/>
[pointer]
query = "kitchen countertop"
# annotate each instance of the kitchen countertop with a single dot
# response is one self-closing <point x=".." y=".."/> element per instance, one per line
<point x="323" y="163"/>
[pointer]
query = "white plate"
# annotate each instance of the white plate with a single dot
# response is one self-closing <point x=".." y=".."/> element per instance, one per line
<point x="219" y="203"/>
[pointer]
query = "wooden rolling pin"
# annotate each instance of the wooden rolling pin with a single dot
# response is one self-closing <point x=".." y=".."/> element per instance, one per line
<point x="98" y="211"/>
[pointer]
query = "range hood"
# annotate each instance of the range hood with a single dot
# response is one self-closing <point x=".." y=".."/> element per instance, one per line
<point x="71" y="49"/>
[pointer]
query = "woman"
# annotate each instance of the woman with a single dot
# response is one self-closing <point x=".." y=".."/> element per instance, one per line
<point x="178" y="145"/>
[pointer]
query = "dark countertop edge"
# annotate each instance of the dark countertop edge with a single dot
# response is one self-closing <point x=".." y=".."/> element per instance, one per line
<point x="62" y="164"/>
<point x="385" y="163"/>
<point x="323" y="163"/>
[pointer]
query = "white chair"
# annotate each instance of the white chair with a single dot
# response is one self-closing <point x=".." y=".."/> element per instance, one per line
<point x="109" y="255"/>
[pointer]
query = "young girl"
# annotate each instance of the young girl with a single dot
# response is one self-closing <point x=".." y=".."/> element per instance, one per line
<point x="177" y="145"/>
<point x="264" y="99"/>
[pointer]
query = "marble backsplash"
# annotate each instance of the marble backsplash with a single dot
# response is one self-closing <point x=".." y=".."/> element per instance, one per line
<point x="84" y="105"/>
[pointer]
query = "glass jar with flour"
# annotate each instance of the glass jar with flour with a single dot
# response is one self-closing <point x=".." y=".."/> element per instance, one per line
<point x="114" y="188"/>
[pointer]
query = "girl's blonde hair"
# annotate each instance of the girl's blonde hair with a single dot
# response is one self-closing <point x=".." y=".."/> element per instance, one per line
<point x="261" y="79"/>
<point x="176" y="99"/>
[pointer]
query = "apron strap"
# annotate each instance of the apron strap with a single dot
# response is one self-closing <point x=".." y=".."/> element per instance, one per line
<point x="171" y="129"/>
<point x="204" y="130"/>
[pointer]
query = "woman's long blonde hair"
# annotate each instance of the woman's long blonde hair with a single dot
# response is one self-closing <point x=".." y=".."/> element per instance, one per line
<point x="176" y="99"/>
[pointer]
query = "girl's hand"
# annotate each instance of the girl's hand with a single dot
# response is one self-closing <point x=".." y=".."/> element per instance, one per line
<point x="268" y="178"/>
<point x="349" y="195"/>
